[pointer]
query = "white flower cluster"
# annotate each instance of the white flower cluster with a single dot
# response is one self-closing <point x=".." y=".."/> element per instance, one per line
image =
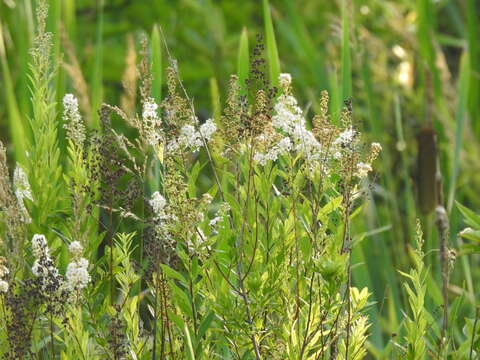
<point x="289" y="121"/>
<point x="77" y="271"/>
<point x="345" y="142"/>
<point x="158" y="203"/>
<point x="73" y="120"/>
<point x="76" y="276"/>
<point x="192" y="139"/>
<point x="219" y="216"/>
<point x="151" y="122"/>
<point x="285" y="80"/>
<point x="22" y="191"/>
<point x="376" y="147"/>
<point x="76" y="249"/>
<point x="3" y="273"/>
<point x="346" y="137"/>
<point x="44" y="267"/>
<point x="363" y="169"/>
<point x="280" y="148"/>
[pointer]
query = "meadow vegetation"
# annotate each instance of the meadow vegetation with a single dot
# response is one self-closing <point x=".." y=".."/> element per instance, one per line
<point x="245" y="193"/>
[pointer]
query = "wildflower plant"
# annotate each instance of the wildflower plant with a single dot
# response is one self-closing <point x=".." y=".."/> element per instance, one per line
<point x="176" y="236"/>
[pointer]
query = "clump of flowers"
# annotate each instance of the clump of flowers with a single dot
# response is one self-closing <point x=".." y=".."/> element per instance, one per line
<point x="151" y="122"/>
<point x="3" y="274"/>
<point x="158" y="203"/>
<point x="220" y="215"/>
<point x="77" y="271"/>
<point x="22" y="191"/>
<point x="290" y="131"/>
<point x="73" y="120"/>
<point x="193" y="139"/>
<point x="44" y="268"/>
<point x="324" y="143"/>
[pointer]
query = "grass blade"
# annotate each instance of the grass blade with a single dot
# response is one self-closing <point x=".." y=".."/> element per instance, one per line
<point x="272" y="52"/>
<point x="243" y="62"/>
<point x="473" y="30"/>
<point x="459" y="120"/>
<point x="346" y="66"/>
<point x="17" y="131"/>
<point x="156" y="61"/>
<point x="97" y="73"/>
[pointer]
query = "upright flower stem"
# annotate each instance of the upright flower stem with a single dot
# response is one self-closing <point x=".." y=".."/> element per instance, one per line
<point x="52" y="344"/>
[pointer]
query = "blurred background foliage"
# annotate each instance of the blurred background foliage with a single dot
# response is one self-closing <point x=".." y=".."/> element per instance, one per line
<point x="414" y="70"/>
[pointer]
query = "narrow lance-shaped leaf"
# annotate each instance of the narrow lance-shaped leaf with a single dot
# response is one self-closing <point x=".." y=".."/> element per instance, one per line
<point x="156" y="61"/>
<point x="271" y="44"/>
<point x="243" y="63"/>
<point x="346" y="69"/>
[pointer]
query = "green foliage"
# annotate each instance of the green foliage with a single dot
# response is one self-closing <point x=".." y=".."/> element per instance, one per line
<point x="246" y="258"/>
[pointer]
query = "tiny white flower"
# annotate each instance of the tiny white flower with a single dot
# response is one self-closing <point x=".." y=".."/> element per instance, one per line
<point x="284" y="145"/>
<point x="3" y="271"/>
<point x="21" y="184"/>
<point x="158" y="203"/>
<point x="151" y="122"/>
<point x="73" y="120"/>
<point x="3" y="286"/>
<point x="39" y="245"/>
<point x="208" y="129"/>
<point x="285" y="80"/>
<point x="75" y="248"/>
<point x="149" y="109"/>
<point x="345" y="137"/>
<point x="363" y="169"/>
<point x="376" y="146"/>
<point x="77" y="274"/>
<point x="215" y="220"/>
<point x="22" y="191"/>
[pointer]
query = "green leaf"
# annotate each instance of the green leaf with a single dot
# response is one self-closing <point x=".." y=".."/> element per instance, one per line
<point x="271" y="44"/>
<point x="173" y="273"/>
<point x="346" y="69"/>
<point x="471" y="218"/>
<point x="243" y="62"/>
<point x="188" y="339"/>
<point x="156" y="62"/>
<point x="205" y="324"/>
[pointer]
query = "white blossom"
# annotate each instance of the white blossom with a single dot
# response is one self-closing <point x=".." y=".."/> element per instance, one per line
<point x="215" y="220"/>
<point x="376" y="147"/>
<point x="76" y="249"/>
<point x="77" y="274"/>
<point x="289" y="119"/>
<point x="39" y="245"/>
<point x="284" y="145"/>
<point x="3" y="271"/>
<point x="149" y="109"/>
<point x="363" y="169"/>
<point x="158" y="203"/>
<point x="22" y="191"/>
<point x="189" y="137"/>
<point x="346" y="137"/>
<point x="21" y="184"/>
<point x="285" y="80"/>
<point x="73" y="120"/>
<point x="151" y="122"/>
<point x="208" y="129"/>
<point x="3" y="286"/>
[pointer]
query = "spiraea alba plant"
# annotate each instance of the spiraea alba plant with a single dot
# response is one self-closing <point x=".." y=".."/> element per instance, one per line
<point x="227" y="238"/>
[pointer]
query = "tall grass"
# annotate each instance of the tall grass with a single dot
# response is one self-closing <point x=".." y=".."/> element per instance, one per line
<point x="406" y="66"/>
